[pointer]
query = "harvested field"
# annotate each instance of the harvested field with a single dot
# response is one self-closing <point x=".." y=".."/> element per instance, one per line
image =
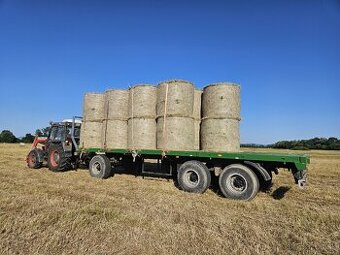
<point x="71" y="213"/>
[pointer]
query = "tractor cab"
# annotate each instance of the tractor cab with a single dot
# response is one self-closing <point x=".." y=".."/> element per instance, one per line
<point x="66" y="132"/>
<point x="60" y="148"/>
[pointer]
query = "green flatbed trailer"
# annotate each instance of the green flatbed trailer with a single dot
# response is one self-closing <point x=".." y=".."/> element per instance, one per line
<point x="240" y="174"/>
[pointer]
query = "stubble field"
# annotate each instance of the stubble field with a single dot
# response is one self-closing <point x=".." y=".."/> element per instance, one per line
<point x="71" y="213"/>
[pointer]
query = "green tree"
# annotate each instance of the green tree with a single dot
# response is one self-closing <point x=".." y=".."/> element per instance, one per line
<point x="331" y="143"/>
<point x="7" y="136"/>
<point x="28" y="138"/>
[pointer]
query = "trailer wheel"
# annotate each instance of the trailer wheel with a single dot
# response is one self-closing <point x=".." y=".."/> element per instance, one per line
<point x="57" y="160"/>
<point x="238" y="182"/>
<point x="33" y="159"/>
<point x="100" y="167"/>
<point x="193" y="176"/>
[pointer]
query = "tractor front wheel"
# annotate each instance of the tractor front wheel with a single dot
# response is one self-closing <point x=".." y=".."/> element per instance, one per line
<point x="33" y="159"/>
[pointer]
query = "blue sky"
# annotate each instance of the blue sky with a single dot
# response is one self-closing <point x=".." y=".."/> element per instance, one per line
<point x="285" y="55"/>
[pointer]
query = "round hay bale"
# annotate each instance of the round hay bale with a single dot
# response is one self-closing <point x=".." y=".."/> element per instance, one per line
<point x="220" y="135"/>
<point x="142" y="133"/>
<point x="197" y="104"/>
<point x="180" y="98"/>
<point x="116" y="104"/>
<point x="142" y="101"/>
<point x="221" y="100"/>
<point x="116" y="134"/>
<point x="93" y="107"/>
<point x="197" y="126"/>
<point x="91" y="134"/>
<point x="178" y="133"/>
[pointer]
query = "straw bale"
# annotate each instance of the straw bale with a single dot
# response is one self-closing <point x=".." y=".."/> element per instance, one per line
<point x="220" y="135"/>
<point x="142" y="101"/>
<point x="116" y="104"/>
<point x="142" y="133"/>
<point x="221" y="100"/>
<point x="91" y="134"/>
<point x="93" y="107"/>
<point x="180" y="99"/>
<point x="116" y="134"/>
<point x="178" y="133"/>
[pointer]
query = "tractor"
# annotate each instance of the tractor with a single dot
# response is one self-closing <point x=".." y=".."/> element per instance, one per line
<point x="59" y="148"/>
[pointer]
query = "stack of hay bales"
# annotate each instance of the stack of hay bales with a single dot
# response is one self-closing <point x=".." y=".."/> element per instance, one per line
<point x="115" y="123"/>
<point x="93" y="116"/>
<point x="221" y="117"/>
<point x="175" y="124"/>
<point x="142" y="117"/>
<point x="166" y="117"/>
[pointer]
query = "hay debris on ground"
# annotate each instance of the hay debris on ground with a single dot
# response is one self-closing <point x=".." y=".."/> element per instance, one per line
<point x="71" y="213"/>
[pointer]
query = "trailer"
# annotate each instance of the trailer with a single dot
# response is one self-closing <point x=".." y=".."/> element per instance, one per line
<point x="240" y="174"/>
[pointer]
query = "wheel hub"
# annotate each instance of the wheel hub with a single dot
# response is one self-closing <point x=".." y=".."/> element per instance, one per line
<point x="96" y="167"/>
<point x="55" y="158"/>
<point x="33" y="158"/>
<point x="191" y="178"/>
<point x="237" y="183"/>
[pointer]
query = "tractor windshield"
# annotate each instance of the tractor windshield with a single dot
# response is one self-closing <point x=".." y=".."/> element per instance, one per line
<point x="57" y="133"/>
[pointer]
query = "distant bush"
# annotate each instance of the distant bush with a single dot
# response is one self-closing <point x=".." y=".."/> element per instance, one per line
<point x="7" y="136"/>
<point x="316" y="143"/>
<point x="331" y="143"/>
<point x="28" y="138"/>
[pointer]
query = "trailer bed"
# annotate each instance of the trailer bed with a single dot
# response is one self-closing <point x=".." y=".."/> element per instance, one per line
<point x="300" y="161"/>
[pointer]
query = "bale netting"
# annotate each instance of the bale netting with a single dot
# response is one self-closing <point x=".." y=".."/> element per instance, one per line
<point x="115" y="134"/>
<point x="197" y="125"/>
<point x="177" y="133"/>
<point x="221" y="100"/>
<point x="142" y="101"/>
<point x="197" y="104"/>
<point x="141" y="133"/>
<point x="91" y="135"/>
<point x="93" y="109"/>
<point x="116" y="104"/>
<point x="220" y="135"/>
<point x="175" y="98"/>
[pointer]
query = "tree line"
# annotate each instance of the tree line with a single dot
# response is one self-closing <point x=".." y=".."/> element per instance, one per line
<point x="317" y="143"/>
<point x="332" y="143"/>
<point x="6" y="136"/>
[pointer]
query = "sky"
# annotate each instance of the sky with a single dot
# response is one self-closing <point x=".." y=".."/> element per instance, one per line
<point x="284" y="54"/>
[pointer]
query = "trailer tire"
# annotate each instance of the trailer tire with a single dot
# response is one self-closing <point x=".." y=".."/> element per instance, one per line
<point x="238" y="182"/>
<point x="57" y="159"/>
<point x="100" y="167"/>
<point x="193" y="176"/>
<point x="33" y="158"/>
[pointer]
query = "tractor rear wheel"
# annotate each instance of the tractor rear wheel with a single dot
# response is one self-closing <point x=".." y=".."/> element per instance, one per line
<point x="57" y="159"/>
<point x="33" y="159"/>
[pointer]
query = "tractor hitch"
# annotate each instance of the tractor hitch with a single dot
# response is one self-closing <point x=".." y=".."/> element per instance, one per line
<point x="301" y="178"/>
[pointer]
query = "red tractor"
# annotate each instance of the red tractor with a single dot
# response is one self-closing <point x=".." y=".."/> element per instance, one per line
<point x="59" y="148"/>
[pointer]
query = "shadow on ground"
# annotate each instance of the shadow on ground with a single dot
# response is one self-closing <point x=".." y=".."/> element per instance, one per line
<point x="280" y="192"/>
